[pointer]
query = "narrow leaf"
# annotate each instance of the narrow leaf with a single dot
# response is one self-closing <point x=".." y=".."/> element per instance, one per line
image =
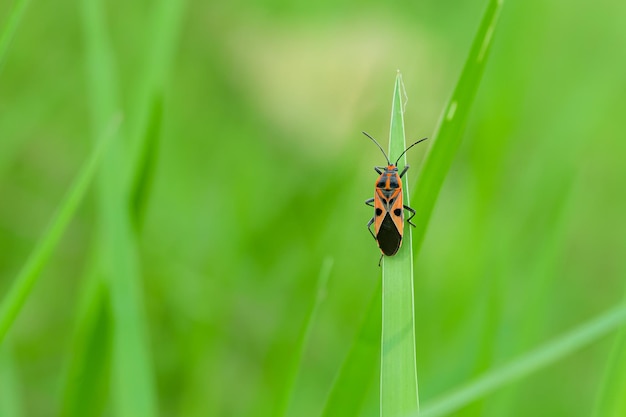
<point x="14" y="18"/>
<point x="146" y="162"/>
<point x="88" y="378"/>
<point x="360" y="366"/>
<point x="303" y="340"/>
<point x="532" y="361"/>
<point x="27" y="278"/>
<point x="398" y="374"/>
<point x="612" y="401"/>
<point x="10" y="391"/>
<point x="132" y="377"/>
<point x="447" y="137"/>
<point x="145" y="110"/>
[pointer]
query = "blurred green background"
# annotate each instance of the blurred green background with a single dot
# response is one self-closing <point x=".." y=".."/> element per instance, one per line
<point x="260" y="177"/>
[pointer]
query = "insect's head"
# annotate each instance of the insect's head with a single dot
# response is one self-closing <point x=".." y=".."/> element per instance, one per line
<point x="389" y="164"/>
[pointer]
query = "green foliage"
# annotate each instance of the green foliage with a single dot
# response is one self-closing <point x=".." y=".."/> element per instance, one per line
<point x="349" y="390"/>
<point x="21" y="288"/>
<point x="187" y="283"/>
<point x="117" y="261"/>
<point x="611" y="401"/>
<point x="9" y="385"/>
<point x="449" y="132"/>
<point x="530" y="362"/>
<point x="10" y="26"/>
<point x="88" y="376"/>
<point x="305" y="334"/>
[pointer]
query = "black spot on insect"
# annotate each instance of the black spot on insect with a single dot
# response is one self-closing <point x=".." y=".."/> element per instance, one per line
<point x="378" y="211"/>
<point x="389" y="239"/>
<point x="381" y="184"/>
<point x="397" y="212"/>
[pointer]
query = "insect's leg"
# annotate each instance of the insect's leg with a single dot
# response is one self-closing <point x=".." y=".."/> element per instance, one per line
<point x="379" y="169"/>
<point x="369" y="202"/>
<point x="410" y="210"/>
<point x="406" y="168"/>
<point x="380" y="260"/>
<point x="369" y="227"/>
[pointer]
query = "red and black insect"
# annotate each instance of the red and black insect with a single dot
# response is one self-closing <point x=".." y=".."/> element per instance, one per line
<point x="388" y="206"/>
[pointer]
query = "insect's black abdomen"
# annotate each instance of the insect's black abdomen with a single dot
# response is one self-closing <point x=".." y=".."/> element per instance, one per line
<point x="388" y="237"/>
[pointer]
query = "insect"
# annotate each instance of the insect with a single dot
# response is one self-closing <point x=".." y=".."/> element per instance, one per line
<point x="388" y="206"/>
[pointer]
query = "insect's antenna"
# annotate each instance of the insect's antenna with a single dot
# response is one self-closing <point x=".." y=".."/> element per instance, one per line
<point x="421" y="140"/>
<point x="379" y="147"/>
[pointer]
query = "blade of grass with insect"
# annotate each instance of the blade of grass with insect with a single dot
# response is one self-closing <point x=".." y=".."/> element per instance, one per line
<point x="29" y="274"/>
<point x="532" y="361"/>
<point x="132" y="382"/>
<point x="398" y="372"/>
<point x="464" y="93"/>
<point x="10" y="406"/>
<point x="357" y="372"/>
<point x="12" y="22"/>
<point x="447" y="137"/>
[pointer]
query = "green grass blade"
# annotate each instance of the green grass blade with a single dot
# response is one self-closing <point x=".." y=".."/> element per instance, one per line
<point x="398" y="374"/>
<point x="360" y="366"/>
<point x="29" y="274"/>
<point x="87" y="382"/>
<point x="610" y="398"/>
<point x="146" y="161"/>
<point x="530" y="362"/>
<point x="320" y="295"/>
<point x="612" y="401"/>
<point x="132" y="382"/>
<point x="146" y="107"/>
<point x="10" y="405"/>
<point x="13" y="21"/>
<point x="447" y="137"/>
